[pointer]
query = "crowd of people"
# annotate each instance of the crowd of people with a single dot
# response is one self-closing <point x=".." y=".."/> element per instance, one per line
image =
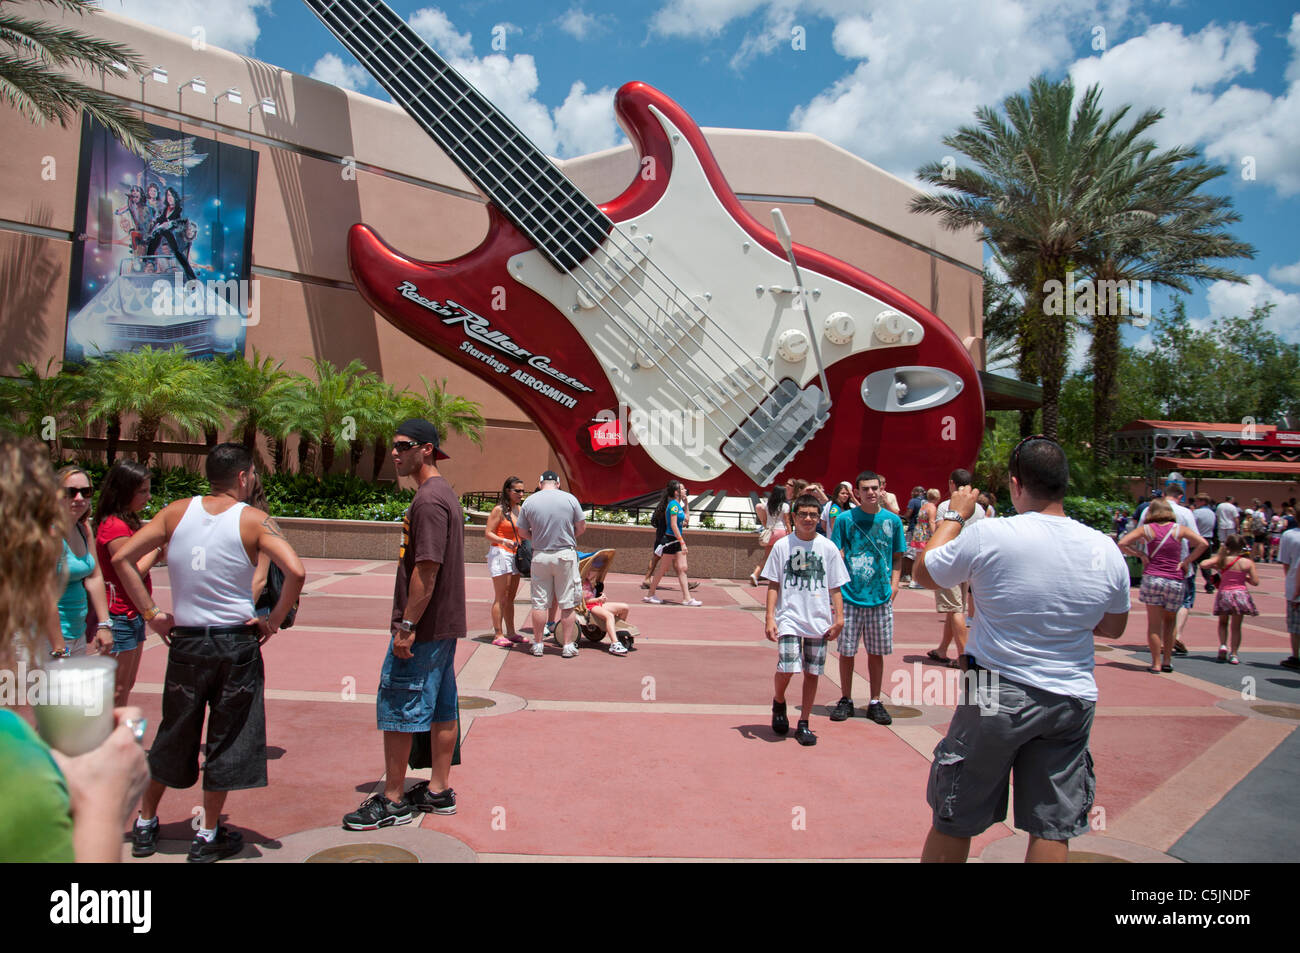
<point x="76" y="579"/>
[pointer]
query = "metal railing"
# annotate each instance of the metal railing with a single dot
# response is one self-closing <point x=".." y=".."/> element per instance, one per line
<point x="484" y="500"/>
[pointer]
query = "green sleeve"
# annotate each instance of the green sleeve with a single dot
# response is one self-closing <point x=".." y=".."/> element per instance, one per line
<point x="37" y="824"/>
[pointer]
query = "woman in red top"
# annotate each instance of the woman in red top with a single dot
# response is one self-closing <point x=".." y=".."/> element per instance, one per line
<point x="503" y="539"/>
<point x="126" y="491"/>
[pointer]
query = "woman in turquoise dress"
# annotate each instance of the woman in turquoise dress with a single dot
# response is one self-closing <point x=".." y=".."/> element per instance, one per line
<point x="83" y="581"/>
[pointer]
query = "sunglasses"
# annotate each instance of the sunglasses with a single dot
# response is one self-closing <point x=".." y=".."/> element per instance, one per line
<point x="72" y="492"/>
<point x="1015" y="454"/>
<point x="401" y="446"/>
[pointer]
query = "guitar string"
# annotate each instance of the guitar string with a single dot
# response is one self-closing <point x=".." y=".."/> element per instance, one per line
<point x="399" y="29"/>
<point x="688" y="396"/>
<point x="725" y="387"/>
<point x="730" y="374"/>
<point x="723" y="397"/>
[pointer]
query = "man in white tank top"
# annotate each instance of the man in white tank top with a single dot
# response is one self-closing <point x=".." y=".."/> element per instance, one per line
<point x="214" y="661"/>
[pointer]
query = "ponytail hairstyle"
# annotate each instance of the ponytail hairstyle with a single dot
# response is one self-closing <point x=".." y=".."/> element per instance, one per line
<point x="775" y="500"/>
<point x="1235" y="543"/>
<point x="659" y="519"/>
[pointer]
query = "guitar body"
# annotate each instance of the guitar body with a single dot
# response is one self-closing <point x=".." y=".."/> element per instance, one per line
<point x="633" y="385"/>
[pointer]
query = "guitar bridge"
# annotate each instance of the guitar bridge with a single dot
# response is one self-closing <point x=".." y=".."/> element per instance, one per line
<point x="777" y="430"/>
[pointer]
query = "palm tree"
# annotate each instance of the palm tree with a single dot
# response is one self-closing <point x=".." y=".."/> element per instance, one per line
<point x="41" y="406"/>
<point x="1169" y="250"/>
<point x="253" y="388"/>
<point x="1046" y="180"/>
<point x="317" y="409"/>
<point x="387" y="408"/>
<point x="33" y="71"/>
<point x="448" y="412"/>
<point x="169" y="393"/>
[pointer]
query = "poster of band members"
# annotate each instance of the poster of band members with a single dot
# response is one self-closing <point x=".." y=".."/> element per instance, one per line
<point x="168" y="238"/>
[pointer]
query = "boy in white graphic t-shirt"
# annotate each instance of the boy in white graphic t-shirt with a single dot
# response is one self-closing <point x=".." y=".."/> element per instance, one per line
<point x="804" y="610"/>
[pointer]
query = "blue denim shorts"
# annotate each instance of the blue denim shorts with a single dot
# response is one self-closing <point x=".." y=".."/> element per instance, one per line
<point x="416" y="693"/>
<point x="128" y="633"/>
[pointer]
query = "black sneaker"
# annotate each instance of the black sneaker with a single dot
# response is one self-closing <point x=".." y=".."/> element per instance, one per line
<point x="843" y="710"/>
<point x="876" y="712"/>
<point x="376" y="812"/>
<point x="227" y="843"/>
<point x="804" y="736"/>
<point x="1290" y="662"/>
<point x="780" y="723"/>
<point x="422" y="799"/>
<point x="1179" y="649"/>
<point x="144" y="840"/>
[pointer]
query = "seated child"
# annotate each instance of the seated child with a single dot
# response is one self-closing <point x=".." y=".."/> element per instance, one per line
<point x="606" y="613"/>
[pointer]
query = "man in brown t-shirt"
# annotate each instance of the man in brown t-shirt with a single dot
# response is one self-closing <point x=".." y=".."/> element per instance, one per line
<point x="417" y="687"/>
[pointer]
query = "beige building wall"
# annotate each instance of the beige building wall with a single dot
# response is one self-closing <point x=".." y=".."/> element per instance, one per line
<point x="331" y="158"/>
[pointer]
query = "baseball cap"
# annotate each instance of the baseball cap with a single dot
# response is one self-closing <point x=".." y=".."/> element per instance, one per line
<point x="421" y="431"/>
<point x="550" y="476"/>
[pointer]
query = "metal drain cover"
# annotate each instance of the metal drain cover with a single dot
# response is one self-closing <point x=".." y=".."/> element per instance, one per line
<point x="1088" y="857"/>
<point x="1278" y="711"/>
<point x="363" y="854"/>
<point x="474" y="701"/>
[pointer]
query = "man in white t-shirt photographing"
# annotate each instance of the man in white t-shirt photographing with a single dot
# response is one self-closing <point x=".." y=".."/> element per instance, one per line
<point x="1045" y="587"/>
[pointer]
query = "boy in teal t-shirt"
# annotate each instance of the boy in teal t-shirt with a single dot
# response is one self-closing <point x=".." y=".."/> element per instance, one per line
<point x="871" y="540"/>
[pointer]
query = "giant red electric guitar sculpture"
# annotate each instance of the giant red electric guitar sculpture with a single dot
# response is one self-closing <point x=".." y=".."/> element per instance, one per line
<point x="664" y="334"/>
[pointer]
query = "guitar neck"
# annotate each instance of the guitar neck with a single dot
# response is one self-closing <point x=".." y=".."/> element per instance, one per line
<point x="512" y="172"/>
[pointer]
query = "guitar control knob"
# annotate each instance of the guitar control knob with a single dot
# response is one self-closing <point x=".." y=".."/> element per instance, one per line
<point x="792" y="345"/>
<point x="889" y="327"/>
<point x="840" y="328"/>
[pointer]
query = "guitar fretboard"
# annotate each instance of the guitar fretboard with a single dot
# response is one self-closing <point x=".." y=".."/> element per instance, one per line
<point x="513" y="173"/>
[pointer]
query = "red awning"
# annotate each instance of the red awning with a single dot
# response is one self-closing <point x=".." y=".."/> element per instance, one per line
<point x="1225" y="466"/>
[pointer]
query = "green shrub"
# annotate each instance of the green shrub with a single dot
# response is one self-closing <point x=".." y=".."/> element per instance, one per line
<point x="1099" y="513"/>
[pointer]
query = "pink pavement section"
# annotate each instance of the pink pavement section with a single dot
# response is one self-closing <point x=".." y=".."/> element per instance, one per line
<point x="668" y="753"/>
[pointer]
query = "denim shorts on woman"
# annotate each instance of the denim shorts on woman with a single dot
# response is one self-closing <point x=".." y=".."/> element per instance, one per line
<point x="128" y="632"/>
<point x="416" y="693"/>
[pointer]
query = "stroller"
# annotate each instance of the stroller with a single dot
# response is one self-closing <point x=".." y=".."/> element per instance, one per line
<point x="594" y="566"/>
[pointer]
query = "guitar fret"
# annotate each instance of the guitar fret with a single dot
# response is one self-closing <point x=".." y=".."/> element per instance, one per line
<point x="490" y="150"/>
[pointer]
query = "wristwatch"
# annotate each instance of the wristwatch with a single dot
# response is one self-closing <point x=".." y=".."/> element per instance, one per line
<point x="955" y="517"/>
<point x="406" y="625"/>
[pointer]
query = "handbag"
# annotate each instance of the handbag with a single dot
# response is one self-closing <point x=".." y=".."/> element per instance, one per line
<point x="523" y="552"/>
<point x="271" y="595"/>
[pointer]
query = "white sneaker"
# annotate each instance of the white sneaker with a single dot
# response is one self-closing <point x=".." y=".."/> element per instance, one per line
<point x="692" y="602"/>
<point x="570" y="651"/>
<point x="653" y="600"/>
<point x="538" y="649"/>
<point x="618" y="648"/>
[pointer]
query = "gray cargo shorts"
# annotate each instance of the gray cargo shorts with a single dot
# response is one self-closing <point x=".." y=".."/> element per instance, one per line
<point x="1040" y="736"/>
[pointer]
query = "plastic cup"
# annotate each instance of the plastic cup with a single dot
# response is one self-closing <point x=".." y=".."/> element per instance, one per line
<point x="74" y="706"/>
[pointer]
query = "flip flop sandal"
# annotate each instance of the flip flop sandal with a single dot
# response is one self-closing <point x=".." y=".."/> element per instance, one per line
<point x="1166" y="668"/>
<point x="516" y="638"/>
<point x="502" y="641"/>
<point x="934" y="656"/>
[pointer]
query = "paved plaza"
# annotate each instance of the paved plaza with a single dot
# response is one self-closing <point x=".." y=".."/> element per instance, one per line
<point x="667" y="754"/>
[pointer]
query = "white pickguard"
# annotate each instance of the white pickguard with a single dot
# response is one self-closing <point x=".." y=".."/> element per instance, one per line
<point x="748" y="329"/>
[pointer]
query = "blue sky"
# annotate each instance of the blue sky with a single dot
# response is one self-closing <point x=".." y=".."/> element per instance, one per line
<point x="885" y="79"/>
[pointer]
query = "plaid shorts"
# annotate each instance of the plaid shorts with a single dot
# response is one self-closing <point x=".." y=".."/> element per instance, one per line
<point x="1293" y="618"/>
<point x="873" y="626"/>
<point x="1166" y="593"/>
<point x="797" y="654"/>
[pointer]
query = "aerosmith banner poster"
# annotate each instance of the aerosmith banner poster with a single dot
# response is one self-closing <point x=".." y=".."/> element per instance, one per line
<point x="167" y="240"/>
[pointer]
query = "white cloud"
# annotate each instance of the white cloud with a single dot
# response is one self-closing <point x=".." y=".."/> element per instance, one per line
<point x="1197" y="80"/>
<point x="920" y="73"/>
<point x="435" y="27"/>
<point x="230" y="24"/>
<point x="331" y="69"/>
<point x="700" y="17"/>
<point x="579" y="24"/>
<point x="585" y="121"/>
<point x="1285" y="274"/>
<point x="1228" y="300"/>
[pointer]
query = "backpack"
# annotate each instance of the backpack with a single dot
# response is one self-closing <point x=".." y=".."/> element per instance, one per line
<point x="271" y="595"/>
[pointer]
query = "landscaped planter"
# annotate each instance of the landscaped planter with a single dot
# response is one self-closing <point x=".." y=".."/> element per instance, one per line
<point x="712" y="553"/>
